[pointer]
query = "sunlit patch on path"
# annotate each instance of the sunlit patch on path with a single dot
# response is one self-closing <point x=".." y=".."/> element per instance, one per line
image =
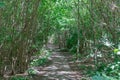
<point x="58" y="70"/>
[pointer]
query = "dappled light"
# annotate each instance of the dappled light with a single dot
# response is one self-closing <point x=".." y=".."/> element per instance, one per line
<point x="59" y="39"/>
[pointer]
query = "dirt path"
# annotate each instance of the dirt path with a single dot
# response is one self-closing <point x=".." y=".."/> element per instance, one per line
<point x="59" y="69"/>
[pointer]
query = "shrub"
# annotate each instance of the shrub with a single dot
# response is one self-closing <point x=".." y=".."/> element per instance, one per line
<point x="19" y="78"/>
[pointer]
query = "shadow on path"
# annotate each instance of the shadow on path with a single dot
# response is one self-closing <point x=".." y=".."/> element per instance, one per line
<point x="59" y="69"/>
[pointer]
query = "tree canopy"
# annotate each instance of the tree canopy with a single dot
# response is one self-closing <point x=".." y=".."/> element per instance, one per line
<point x="83" y="27"/>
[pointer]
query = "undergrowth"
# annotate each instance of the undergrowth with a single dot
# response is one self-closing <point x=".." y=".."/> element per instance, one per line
<point x="19" y="78"/>
<point x="42" y="58"/>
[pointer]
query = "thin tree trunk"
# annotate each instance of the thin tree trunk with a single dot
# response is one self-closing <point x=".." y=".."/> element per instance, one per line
<point x="78" y="31"/>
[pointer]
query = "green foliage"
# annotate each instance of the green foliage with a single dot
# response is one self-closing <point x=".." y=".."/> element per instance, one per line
<point x="117" y="51"/>
<point x="42" y="60"/>
<point x="102" y="76"/>
<point x="19" y="78"/>
<point x="38" y="62"/>
<point x="2" y="4"/>
<point x="31" y="71"/>
<point x="79" y="24"/>
<point x="99" y="77"/>
<point x="72" y="42"/>
<point x="113" y="70"/>
<point x="24" y="29"/>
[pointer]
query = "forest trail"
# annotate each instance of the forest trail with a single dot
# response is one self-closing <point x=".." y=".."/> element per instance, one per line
<point x="59" y="69"/>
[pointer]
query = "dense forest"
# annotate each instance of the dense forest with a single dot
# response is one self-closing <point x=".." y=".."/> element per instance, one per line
<point x="86" y="30"/>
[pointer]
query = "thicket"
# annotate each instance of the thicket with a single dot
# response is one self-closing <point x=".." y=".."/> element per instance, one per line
<point x="24" y="28"/>
<point x="90" y="29"/>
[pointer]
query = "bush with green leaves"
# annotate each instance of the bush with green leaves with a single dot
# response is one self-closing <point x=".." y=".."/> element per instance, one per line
<point x="39" y="62"/>
<point x="99" y="77"/>
<point x="19" y="78"/>
<point x="31" y="71"/>
<point x="72" y="42"/>
<point x="42" y="59"/>
<point x="102" y="76"/>
<point x="113" y="70"/>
